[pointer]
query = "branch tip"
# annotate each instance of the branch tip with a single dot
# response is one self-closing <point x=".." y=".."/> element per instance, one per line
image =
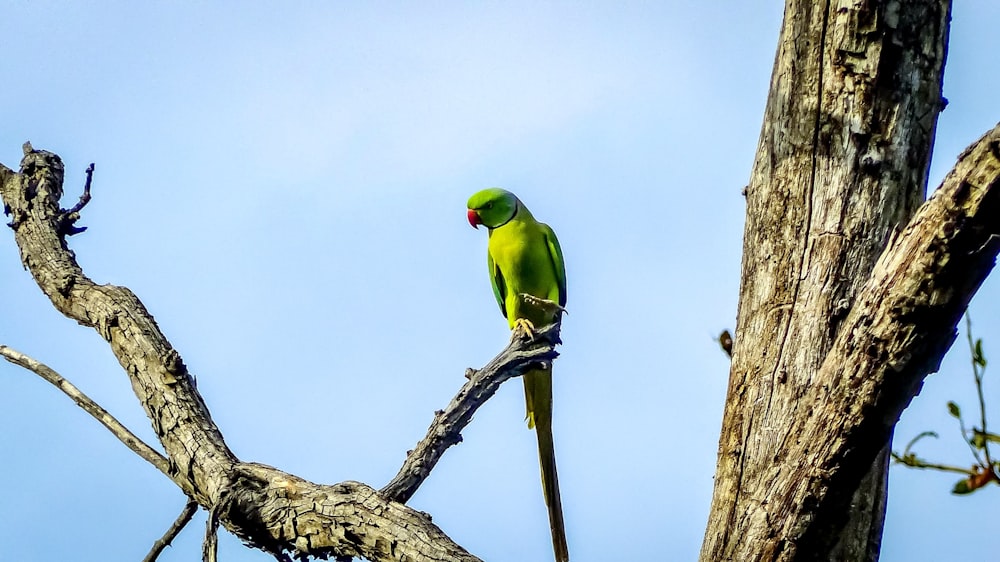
<point x="163" y="542"/>
<point x="138" y="446"/>
<point x="68" y="218"/>
<point x="446" y="428"/>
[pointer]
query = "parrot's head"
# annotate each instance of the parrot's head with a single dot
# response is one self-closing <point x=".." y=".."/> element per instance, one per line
<point x="492" y="207"/>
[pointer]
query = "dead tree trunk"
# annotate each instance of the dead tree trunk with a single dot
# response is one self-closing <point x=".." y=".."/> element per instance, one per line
<point x="841" y="168"/>
<point x="851" y="293"/>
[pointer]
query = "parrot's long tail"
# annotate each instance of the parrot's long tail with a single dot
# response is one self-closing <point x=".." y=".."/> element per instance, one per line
<point x="538" y="391"/>
<point x="550" y="487"/>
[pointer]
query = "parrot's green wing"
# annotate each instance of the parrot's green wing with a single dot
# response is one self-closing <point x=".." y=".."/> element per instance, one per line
<point x="499" y="286"/>
<point x="555" y="252"/>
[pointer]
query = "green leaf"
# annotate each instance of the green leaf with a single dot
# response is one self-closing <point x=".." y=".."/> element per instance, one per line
<point x="978" y="439"/>
<point x="962" y="487"/>
<point x="977" y="355"/>
<point x="954" y="410"/>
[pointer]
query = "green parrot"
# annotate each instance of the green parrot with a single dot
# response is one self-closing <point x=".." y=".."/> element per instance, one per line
<point x="524" y="259"/>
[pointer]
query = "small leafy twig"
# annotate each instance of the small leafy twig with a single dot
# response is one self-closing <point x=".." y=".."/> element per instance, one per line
<point x="956" y="413"/>
<point x="978" y="366"/>
<point x="978" y="439"/>
<point x="912" y="460"/>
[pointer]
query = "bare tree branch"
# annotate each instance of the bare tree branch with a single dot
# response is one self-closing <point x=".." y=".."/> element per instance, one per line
<point x="123" y="434"/>
<point x="68" y="219"/>
<point x="85" y="197"/>
<point x="269" y="509"/>
<point x="163" y="542"/>
<point x="446" y="429"/>
<point x="210" y="547"/>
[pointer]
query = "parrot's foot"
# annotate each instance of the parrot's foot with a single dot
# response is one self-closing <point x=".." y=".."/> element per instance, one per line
<point x="544" y="304"/>
<point x="524" y="325"/>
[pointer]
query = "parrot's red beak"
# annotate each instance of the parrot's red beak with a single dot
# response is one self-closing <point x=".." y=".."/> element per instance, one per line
<point x="474" y="219"/>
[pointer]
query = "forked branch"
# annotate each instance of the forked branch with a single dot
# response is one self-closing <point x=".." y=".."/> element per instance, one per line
<point x="271" y="510"/>
<point x="277" y="512"/>
<point x="902" y="323"/>
<point x="446" y="429"/>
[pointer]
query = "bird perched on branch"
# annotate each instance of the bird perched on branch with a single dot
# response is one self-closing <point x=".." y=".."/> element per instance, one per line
<point x="529" y="282"/>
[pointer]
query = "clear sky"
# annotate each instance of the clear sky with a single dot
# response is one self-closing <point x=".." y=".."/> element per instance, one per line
<point x="285" y="189"/>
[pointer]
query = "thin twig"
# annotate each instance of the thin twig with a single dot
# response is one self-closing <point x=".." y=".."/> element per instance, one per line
<point x="990" y="240"/>
<point x="68" y="218"/>
<point x="446" y="429"/>
<point x="163" y="542"/>
<point x="85" y="198"/>
<point x="910" y="459"/>
<point x="82" y="400"/>
<point x="918" y="463"/>
<point x="979" y="387"/>
<point x="972" y="447"/>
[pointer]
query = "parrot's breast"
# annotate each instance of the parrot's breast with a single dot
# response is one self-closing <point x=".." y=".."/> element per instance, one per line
<point x="521" y="253"/>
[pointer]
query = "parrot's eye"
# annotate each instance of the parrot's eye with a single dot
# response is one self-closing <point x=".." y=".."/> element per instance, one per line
<point x="489" y="205"/>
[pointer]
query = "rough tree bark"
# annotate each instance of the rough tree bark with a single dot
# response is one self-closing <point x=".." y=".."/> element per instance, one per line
<point x="272" y="510"/>
<point x="841" y="167"/>
<point x="843" y="311"/>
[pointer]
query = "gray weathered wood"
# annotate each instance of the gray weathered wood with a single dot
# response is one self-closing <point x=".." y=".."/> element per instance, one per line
<point x="270" y="509"/>
<point x="831" y="345"/>
<point x="445" y="429"/>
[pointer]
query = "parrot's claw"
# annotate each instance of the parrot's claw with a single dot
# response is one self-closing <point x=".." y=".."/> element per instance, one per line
<point x="524" y="325"/>
<point x="544" y="304"/>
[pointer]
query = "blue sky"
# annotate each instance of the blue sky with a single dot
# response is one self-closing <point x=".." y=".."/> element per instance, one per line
<point x="284" y="187"/>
